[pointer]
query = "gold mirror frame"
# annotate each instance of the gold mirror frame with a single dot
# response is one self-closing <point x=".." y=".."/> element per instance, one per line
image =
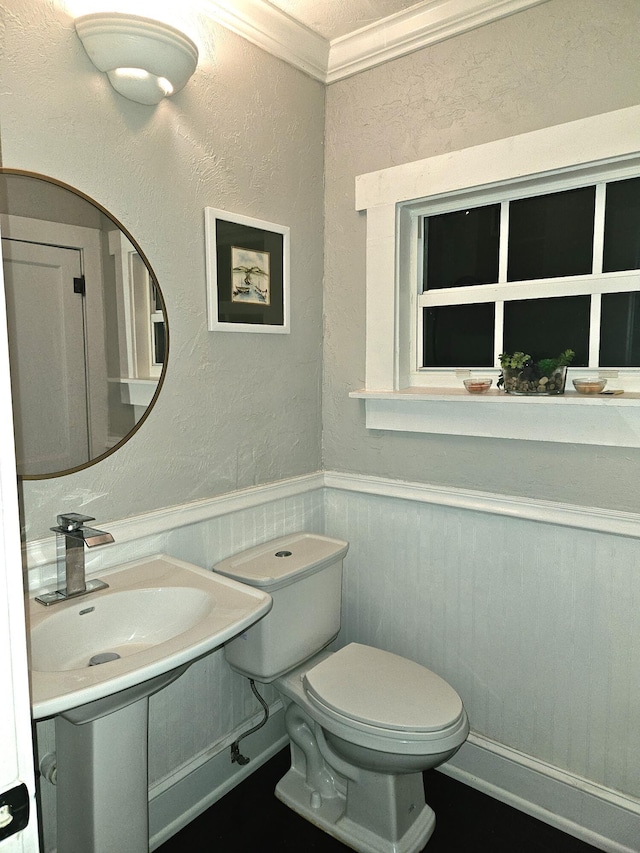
<point x="6" y="208"/>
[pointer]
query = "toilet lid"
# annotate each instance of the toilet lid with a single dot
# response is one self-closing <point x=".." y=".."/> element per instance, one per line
<point x="382" y="689"/>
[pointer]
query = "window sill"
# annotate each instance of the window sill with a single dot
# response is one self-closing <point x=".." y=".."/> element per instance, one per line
<point x="568" y="418"/>
<point x="136" y="392"/>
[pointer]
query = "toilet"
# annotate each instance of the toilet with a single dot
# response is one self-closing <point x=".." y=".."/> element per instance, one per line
<point x="363" y="723"/>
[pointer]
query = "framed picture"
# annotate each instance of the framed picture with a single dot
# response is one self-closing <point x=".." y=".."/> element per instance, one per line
<point x="247" y="273"/>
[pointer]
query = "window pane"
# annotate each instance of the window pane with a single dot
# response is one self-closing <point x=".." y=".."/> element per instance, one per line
<point x="620" y="330"/>
<point x="156" y="298"/>
<point x="159" y="343"/>
<point x="546" y="327"/>
<point x="462" y="247"/>
<point x="551" y="235"/>
<point x="622" y="226"/>
<point x="459" y="335"/>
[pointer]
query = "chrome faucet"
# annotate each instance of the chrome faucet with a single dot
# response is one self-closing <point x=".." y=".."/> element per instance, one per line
<point x="71" y="537"/>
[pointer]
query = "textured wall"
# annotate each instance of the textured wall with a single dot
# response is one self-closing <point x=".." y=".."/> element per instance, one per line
<point x="557" y="62"/>
<point x="245" y="135"/>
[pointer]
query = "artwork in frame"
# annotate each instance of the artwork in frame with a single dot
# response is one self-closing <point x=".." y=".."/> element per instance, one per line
<point x="247" y="273"/>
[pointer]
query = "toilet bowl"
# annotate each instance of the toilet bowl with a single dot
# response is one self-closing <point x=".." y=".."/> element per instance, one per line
<point x="363" y="722"/>
<point x="393" y="714"/>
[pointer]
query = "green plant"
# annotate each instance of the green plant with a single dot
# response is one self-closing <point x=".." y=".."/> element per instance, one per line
<point x="518" y="359"/>
<point x="548" y="365"/>
<point x="544" y="367"/>
<point x="533" y="371"/>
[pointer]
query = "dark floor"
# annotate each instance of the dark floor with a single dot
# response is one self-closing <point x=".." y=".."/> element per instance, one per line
<point x="250" y="818"/>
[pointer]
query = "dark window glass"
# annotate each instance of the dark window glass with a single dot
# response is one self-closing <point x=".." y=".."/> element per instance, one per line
<point x="156" y="298"/>
<point x="622" y="226"/>
<point x="546" y="327"/>
<point x="551" y="235"/>
<point x="459" y="335"/>
<point x="620" y="330"/>
<point x="461" y="248"/>
<point x="159" y="343"/>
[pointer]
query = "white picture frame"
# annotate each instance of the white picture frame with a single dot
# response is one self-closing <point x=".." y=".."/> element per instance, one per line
<point x="247" y="272"/>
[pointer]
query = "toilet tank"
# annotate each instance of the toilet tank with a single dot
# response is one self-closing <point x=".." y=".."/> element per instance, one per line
<point x="303" y="574"/>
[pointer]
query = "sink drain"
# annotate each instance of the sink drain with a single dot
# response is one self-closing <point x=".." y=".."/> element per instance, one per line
<point x="103" y="657"/>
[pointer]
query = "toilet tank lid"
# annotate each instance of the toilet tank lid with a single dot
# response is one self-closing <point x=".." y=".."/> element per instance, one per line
<point x="281" y="561"/>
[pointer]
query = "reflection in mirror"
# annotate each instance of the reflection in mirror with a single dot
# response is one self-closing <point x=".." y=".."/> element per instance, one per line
<point x="88" y="338"/>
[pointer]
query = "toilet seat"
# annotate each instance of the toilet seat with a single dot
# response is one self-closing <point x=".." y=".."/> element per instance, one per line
<point x="381" y="696"/>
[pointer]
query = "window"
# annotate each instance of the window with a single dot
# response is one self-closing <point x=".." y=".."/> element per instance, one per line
<point x="141" y="315"/>
<point x="158" y="334"/>
<point x="421" y="341"/>
<point x="539" y="273"/>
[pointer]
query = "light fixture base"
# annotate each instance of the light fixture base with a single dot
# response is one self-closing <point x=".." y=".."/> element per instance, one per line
<point x="145" y="60"/>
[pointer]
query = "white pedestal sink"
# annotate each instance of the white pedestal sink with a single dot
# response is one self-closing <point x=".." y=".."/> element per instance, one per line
<point x="158" y="615"/>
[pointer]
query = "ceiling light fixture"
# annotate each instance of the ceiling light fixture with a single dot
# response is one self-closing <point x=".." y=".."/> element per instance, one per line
<point x="145" y="60"/>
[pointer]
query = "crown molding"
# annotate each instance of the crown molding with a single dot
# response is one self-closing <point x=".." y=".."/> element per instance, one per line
<point x="274" y="31"/>
<point x="420" y="26"/>
<point x="424" y="24"/>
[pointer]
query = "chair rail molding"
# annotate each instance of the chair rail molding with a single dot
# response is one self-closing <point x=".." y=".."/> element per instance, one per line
<point x="597" y="519"/>
<point x="39" y="555"/>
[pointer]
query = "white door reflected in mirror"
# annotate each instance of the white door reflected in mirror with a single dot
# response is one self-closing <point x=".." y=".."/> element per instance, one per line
<point x="87" y="326"/>
<point x="48" y="369"/>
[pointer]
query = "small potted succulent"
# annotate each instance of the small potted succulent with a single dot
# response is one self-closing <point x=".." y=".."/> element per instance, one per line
<point x="522" y="375"/>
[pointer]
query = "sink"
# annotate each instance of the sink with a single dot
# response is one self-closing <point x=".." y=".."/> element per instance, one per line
<point x="158" y="615"/>
<point x="125" y="623"/>
<point x="95" y="660"/>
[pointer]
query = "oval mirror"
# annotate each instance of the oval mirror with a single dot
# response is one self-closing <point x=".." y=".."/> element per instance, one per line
<point x="88" y="335"/>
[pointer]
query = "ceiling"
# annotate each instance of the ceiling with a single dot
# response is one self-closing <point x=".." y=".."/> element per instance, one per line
<point x="334" y="18"/>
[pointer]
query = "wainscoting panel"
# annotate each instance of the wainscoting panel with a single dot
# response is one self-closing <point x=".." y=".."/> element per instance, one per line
<point x="529" y="609"/>
<point x="210" y="700"/>
<point x="535" y="624"/>
<point x="192" y="717"/>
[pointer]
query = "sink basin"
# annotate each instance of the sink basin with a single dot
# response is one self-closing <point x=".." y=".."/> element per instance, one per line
<point x="158" y="615"/>
<point x="125" y="623"/>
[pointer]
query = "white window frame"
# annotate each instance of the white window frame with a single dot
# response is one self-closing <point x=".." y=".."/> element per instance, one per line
<point x="136" y="314"/>
<point x="396" y="394"/>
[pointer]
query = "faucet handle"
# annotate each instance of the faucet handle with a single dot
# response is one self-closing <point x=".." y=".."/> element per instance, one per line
<point x="73" y="520"/>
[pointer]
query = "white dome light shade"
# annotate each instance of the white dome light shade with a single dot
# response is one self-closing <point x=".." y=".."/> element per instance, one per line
<point x="145" y="60"/>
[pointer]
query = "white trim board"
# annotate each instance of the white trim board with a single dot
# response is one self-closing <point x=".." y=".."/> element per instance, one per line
<point x="41" y="552"/>
<point x="176" y="801"/>
<point x="601" y="138"/>
<point x="394" y="396"/>
<point x="595" y="519"/>
<point x="422" y="25"/>
<point x="568" y="418"/>
<point x="597" y="815"/>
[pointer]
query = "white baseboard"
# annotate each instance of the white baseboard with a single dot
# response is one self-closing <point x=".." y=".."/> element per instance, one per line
<point x="597" y="815"/>
<point x="607" y="820"/>
<point x="176" y="801"/>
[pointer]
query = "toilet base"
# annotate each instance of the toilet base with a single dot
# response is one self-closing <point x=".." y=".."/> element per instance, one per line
<point x="384" y="802"/>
